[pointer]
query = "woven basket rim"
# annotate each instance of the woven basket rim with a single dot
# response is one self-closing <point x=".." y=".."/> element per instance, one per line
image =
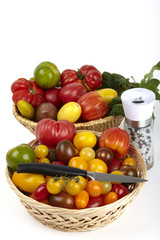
<point x="77" y="125"/>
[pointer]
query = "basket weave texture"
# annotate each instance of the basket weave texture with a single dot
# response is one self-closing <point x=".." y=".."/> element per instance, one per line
<point x="97" y="125"/>
<point x="83" y="219"/>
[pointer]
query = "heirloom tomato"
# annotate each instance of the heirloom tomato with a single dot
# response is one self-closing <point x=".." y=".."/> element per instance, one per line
<point x="47" y="75"/>
<point x="71" y="92"/>
<point x="46" y="110"/>
<point x="117" y="140"/>
<point x="50" y="132"/>
<point x="70" y="111"/>
<point x="93" y="106"/>
<point x="107" y="94"/>
<point x="87" y="74"/>
<point x="28" y="182"/>
<point x="23" y="153"/>
<point x="28" y="91"/>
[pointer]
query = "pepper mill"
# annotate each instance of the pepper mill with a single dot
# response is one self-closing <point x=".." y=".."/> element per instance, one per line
<point x="138" y="106"/>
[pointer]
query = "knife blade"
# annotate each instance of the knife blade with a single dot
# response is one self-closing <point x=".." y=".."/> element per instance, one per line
<point x="62" y="170"/>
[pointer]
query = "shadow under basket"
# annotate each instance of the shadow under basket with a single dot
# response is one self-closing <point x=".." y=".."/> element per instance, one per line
<point x="72" y="220"/>
<point x="97" y="125"/>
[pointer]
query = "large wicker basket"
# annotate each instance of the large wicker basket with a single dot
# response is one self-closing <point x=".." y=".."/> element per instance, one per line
<point x="97" y="125"/>
<point x="83" y="219"/>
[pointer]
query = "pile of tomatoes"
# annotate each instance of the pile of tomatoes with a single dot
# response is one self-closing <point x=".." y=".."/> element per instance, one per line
<point x="107" y="154"/>
<point x="71" y="95"/>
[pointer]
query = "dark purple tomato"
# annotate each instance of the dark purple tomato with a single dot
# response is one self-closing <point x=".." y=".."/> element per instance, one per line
<point x="120" y="190"/>
<point x="95" y="202"/>
<point x="65" y="151"/>
<point x="52" y="155"/>
<point x="41" y="193"/>
<point x="46" y="110"/>
<point x="114" y="165"/>
<point x="105" y="154"/>
<point x="61" y="199"/>
<point x="128" y="170"/>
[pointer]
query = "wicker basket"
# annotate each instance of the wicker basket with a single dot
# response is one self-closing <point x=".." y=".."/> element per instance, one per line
<point x="97" y="125"/>
<point x="82" y="219"/>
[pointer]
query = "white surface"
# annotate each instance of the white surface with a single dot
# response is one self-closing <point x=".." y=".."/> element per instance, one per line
<point x="138" y="111"/>
<point x="115" y="36"/>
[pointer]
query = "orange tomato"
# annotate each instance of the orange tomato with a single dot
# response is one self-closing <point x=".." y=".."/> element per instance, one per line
<point x="129" y="161"/>
<point x="110" y="197"/>
<point x="78" y="162"/>
<point x="93" y="188"/>
<point x="81" y="199"/>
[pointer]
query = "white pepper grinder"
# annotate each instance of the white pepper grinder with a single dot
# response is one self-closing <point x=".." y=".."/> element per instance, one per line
<point x="138" y="106"/>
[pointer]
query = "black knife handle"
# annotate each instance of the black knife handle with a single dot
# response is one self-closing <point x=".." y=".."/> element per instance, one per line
<point x="50" y="169"/>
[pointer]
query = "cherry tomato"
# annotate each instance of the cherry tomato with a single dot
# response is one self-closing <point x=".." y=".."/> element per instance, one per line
<point x="110" y="197"/>
<point x="106" y="187"/>
<point x="114" y="165"/>
<point x="41" y="193"/>
<point x="78" y="162"/>
<point x="52" y="155"/>
<point x="93" y="188"/>
<point x="87" y="153"/>
<point x="97" y="165"/>
<point x="81" y="199"/>
<point x="129" y="161"/>
<point x="95" y="202"/>
<point x="65" y="151"/>
<point x="82" y="182"/>
<point x="105" y="154"/>
<point x="73" y="187"/>
<point x="117" y="172"/>
<point x="41" y="151"/>
<point x="84" y="139"/>
<point x="54" y="185"/>
<point x="120" y="190"/>
<point x="128" y="170"/>
<point x="61" y="199"/>
<point x="43" y="160"/>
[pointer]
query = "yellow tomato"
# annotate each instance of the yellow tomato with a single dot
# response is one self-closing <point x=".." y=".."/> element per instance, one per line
<point x="70" y="111"/>
<point x="97" y="165"/>
<point x="117" y="172"/>
<point x="26" y="109"/>
<point x="107" y="94"/>
<point x="84" y="139"/>
<point x="78" y="162"/>
<point x="28" y="182"/>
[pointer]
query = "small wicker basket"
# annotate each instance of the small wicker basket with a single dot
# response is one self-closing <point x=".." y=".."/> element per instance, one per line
<point x="82" y="219"/>
<point x="97" y="125"/>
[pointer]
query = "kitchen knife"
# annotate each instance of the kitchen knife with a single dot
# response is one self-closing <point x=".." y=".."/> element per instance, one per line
<point x="62" y="170"/>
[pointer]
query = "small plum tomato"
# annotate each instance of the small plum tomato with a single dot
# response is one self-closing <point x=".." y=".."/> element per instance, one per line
<point x="95" y="202"/>
<point x="54" y="185"/>
<point x="117" y="172"/>
<point x="73" y="187"/>
<point x="97" y="165"/>
<point x="106" y="187"/>
<point x="84" y="139"/>
<point x="129" y="161"/>
<point x="41" y="193"/>
<point x="41" y="151"/>
<point x="78" y="162"/>
<point x="120" y="190"/>
<point x="110" y="197"/>
<point x="81" y="199"/>
<point x="87" y="153"/>
<point x="43" y="160"/>
<point x="93" y="188"/>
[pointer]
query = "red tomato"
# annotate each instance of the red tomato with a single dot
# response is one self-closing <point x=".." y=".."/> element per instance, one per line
<point x="87" y="74"/>
<point x="52" y="96"/>
<point x="50" y="132"/>
<point x="41" y="193"/>
<point x="28" y="91"/>
<point x="95" y="202"/>
<point x="114" y="165"/>
<point x="72" y="92"/>
<point x="93" y="106"/>
<point x="117" y="140"/>
<point x="120" y="190"/>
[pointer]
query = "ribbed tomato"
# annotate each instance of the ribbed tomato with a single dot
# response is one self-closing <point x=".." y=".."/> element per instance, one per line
<point x="88" y="75"/>
<point x="115" y="139"/>
<point x="28" y="91"/>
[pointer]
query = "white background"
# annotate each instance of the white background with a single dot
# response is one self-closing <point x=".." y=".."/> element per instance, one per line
<point x="115" y="36"/>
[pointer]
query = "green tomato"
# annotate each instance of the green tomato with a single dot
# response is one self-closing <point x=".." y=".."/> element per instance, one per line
<point x="47" y="75"/>
<point x="23" y="153"/>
